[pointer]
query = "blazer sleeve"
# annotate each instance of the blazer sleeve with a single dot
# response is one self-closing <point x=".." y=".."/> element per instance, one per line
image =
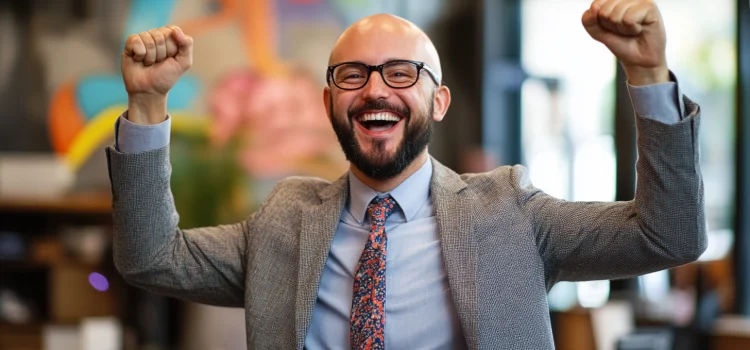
<point x="204" y="265"/>
<point x="662" y="227"/>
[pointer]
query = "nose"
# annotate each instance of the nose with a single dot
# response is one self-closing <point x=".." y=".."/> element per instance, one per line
<point x="375" y="87"/>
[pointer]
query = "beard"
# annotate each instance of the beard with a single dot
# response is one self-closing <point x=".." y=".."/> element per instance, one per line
<point x="380" y="165"/>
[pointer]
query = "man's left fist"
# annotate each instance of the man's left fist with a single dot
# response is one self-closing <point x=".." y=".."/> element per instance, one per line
<point x="634" y="31"/>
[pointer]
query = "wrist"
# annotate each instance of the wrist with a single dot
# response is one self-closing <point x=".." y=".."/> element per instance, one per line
<point x="642" y="76"/>
<point x="147" y="109"/>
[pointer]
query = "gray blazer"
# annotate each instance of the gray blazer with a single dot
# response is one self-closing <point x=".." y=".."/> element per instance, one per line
<point x="505" y="243"/>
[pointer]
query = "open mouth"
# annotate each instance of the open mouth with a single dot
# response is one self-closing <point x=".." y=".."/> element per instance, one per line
<point x="378" y="121"/>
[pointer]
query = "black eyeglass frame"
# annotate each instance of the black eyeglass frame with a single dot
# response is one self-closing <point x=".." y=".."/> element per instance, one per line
<point x="379" y="68"/>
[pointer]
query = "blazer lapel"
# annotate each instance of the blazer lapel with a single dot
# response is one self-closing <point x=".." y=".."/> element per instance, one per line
<point x="454" y="218"/>
<point x="319" y="223"/>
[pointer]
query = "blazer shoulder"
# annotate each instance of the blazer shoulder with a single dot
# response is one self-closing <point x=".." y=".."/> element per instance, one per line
<point x="490" y="184"/>
<point x="509" y="181"/>
<point x="298" y="189"/>
<point x="503" y="176"/>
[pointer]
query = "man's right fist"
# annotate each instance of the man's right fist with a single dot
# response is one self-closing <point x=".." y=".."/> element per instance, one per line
<point x="153" y="61"/>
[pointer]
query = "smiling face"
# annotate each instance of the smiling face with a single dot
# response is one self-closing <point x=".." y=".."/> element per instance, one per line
<point x="383" y="129"/>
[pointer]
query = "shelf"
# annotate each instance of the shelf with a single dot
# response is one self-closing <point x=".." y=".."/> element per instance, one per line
<point x="36" y="324"/>
<point x="80" y="203"/>
<point x="12" y="265"/>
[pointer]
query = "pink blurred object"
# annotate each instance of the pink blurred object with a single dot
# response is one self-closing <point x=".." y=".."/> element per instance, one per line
<point x="226" y="104"/>
<point x="282" y="122"/>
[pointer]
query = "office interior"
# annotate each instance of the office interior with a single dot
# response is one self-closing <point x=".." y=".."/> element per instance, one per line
<point x="529" y="87"/>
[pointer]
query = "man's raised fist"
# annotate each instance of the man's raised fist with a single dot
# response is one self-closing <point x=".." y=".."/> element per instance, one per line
<point x="154" y="61"/>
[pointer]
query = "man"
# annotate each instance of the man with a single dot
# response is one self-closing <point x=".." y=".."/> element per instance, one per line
<point x="401" y="252"/>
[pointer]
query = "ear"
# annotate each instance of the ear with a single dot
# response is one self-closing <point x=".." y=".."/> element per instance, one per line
<point x="441" y="102"/>
<point x="327" y="101"/>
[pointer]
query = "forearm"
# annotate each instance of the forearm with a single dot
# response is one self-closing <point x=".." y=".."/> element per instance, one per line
<point x="203" y="265"/>
<point x="663" y="227"/>
<point x="669" y="197"/>
<point x="145" y="219"/>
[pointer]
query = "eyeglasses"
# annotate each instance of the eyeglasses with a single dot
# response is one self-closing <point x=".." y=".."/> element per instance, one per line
<point x="398" y="74"/>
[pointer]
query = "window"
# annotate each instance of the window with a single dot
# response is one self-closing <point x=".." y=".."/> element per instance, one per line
<point x="567" y="117"/>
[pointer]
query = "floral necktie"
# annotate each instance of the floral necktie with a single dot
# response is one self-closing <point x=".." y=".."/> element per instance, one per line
<point x="368" y="301"/>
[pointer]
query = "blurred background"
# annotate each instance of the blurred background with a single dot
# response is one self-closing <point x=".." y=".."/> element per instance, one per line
<point x="529" y="86"/>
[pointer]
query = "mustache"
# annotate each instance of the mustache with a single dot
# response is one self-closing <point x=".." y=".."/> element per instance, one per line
<point x="381" y="105"/>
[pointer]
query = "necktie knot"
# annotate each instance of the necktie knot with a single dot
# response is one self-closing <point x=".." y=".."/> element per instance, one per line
<point x="380" y="209"/>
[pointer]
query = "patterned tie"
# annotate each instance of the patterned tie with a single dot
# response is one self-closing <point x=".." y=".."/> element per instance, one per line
<point x="368" y="301"/>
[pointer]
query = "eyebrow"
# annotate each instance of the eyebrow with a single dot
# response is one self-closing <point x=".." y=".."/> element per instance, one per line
<point x="386" y="60"/>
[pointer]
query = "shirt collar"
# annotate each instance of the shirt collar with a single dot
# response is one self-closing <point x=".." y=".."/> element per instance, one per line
<point x="410" y="194"/>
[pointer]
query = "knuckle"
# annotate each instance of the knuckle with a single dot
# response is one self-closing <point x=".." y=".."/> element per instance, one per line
<point x="132" y="40"/>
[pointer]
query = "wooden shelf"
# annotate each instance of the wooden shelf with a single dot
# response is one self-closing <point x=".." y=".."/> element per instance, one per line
<point x="79" y="203"/>
<point x="9" y="265"/>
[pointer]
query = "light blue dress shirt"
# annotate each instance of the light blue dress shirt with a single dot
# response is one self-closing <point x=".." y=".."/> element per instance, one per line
<point x="419" y="311"/>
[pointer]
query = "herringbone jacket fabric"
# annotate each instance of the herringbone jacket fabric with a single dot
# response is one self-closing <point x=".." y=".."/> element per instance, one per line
<point x="505" y="243"/>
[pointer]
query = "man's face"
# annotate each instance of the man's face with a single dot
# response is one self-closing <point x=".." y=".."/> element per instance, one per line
<point x="382" y="129"/>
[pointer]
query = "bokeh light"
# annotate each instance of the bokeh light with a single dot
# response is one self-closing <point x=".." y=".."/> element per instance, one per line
<point x="98" y="281"/>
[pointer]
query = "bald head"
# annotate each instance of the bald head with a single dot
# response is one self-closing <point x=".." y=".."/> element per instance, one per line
<point x="379" y="38"/>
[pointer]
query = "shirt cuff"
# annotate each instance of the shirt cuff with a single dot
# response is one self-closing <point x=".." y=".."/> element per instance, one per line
<point x="135" y="138"/>
<point x="661" y="102"/>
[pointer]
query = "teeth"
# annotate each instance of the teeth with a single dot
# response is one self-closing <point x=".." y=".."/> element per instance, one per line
<point x="379" y="116"/>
